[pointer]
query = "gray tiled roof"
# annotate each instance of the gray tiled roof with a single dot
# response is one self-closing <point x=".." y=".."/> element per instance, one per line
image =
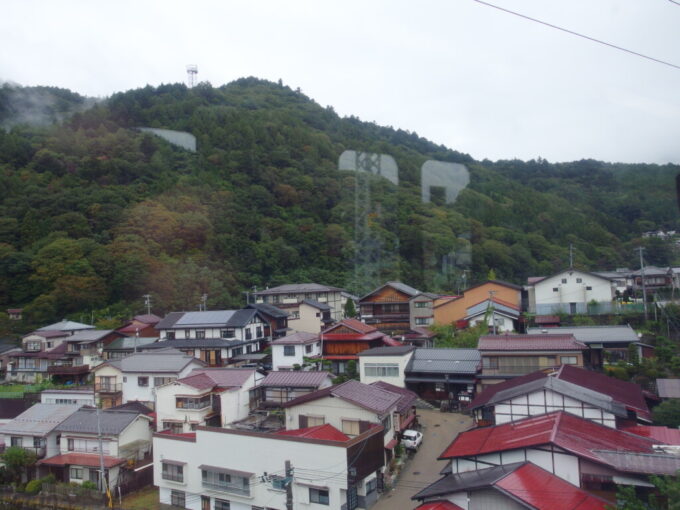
<point x="195" y="343"/>
<point x="169" y="320"/>
<point x="207" y="319"/>
<point x="396" y="350"/>
<point x="40" y="419"/>
<point x="467" y="481"/>
<point x="451" y="361"/>
<point x="84" y="421"/>
<point x="295" y="379"/>
<point x="401" y="287"/>
<point x="591" y="334"/>
<point x="299" y="338"/>
<point x="269" y="309"/>
<point x="293" y="288"/>
<point x="316" y="304"/>
<point x="89" y="335"/>
<point x="129" y="342"/>
<point x="161" y="360"/>
<point x="66" y="326"/>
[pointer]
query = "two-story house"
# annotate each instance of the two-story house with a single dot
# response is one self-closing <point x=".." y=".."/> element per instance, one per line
<point x="386" y="364"/>
<point x="34" y="429"/>
<point x="455" y="309"/>
<point x="141" y="326"/>
<point x="310" y="317"/>
<point x="388" y="308"/>
<point x="136" y="376"/>
<point x="214" y="337"/>
<point x="292" y="351"/>
<point x="279" y="387"/>
<point x="207" y="396"/>
<point x="276" y="320"/>
<point x="507" y="356"/>
<point x="125" y="442"/>
<point x="570" y="291"/>
<point x="288" y="297"/>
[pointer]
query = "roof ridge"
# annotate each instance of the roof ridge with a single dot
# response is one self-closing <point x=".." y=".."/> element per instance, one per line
<point x="556" y="426"/>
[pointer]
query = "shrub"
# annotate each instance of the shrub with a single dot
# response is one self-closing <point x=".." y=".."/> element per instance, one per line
<point x="34" y="486"/>
<point x="89" y="485"/>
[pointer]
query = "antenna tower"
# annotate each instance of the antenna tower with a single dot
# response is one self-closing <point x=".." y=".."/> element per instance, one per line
<point x="192" y="71"/>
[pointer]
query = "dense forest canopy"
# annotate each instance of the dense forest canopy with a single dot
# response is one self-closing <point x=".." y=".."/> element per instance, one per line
<point x="94" y="213"/>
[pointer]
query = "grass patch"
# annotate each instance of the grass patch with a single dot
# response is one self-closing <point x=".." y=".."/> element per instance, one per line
<point x="143" y="499"/>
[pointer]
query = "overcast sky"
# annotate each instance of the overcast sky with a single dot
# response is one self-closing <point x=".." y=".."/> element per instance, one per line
<point x="460" y="73"/>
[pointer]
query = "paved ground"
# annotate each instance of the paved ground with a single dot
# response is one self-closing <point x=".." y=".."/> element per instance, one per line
<point x="439" y="429"/>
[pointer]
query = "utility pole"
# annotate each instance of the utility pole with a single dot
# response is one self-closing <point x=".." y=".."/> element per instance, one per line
<point x="571" y="256"/>
<point x="642" y="277"/>
<point x="204" y="300"/>
<point x="102" y="479"/>
<point x="147" y="303"/>
<point x="492" y="293"/>
<point x="289" y="486"/>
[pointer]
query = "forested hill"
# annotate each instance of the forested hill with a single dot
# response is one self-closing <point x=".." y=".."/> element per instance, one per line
<point x="94" y="213"/>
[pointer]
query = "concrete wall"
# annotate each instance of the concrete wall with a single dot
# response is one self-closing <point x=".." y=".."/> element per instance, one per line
<point x="401" y="361"/>
<point x="546" y="300"/>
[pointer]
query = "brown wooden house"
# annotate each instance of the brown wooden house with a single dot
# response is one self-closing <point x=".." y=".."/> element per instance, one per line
<point x="387" y="308"/>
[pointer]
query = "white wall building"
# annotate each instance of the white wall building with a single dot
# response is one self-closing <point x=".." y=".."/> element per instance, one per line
<point x="289" y="296"/>
<point x="190" y="475"/>
<point x="386" y="364"/>
<point x="80" y="396"/>
<point x="207" y="396"/>
<point x="291" y="350"/>
<point x="569" y="292"/>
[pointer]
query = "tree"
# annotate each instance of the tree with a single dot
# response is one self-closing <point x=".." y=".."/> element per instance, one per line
<point x="17" y="460"/>
<point x="667" y="496"/>
<point x="350" y="309"/>
<point x="667" y="413"/>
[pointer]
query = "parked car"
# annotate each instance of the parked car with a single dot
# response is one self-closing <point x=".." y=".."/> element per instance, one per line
<point x="411" y="439"/>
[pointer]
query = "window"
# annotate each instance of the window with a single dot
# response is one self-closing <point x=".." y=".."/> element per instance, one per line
<point x="172" y="471"/>
<point x="38" y="442"/>
<point x="589" y="287"/>
<point x="351" y="427"/>
<point x="32" y="346"/>
<point x="371" y="486"/>
<point x="125" y="378"/>
<point x="491" y="362"/>
<point x="259" y="332"/>
<point x="222" y="504"/>
<point x="314" y="421"/>
<point x="173" y="427"/>
<point x="228" y="333"/>
<point x="193" y="402"/>
<point x="237" y="351"/>
<point x="318" y="496"/>
<point x="170" y="335"/>
<point x="200" y="333"/>
<point x="249" y="334"/>
<point x="294" y="315"/>
<point x="579" y="280"/>
<point x="160" y="381"/>
<point x="70" y="445"/>
<point x="178" y="498"/>
<point x="289" y="350"/>
<point x="555" y="289"/>
<point x="76" y="473"/>
<point x="386" y="422"/>
<point x="142" y="381"/>
<point x="422" y="321"/>
<point x="568" y="360"/>
<point x="308" y="348"/>
<point x="422" y="304"/>
<point x="221" y="480"/>
<point x="16" y="441"/>
<point x="381" y="369"/>
<point x="564" y="280"/>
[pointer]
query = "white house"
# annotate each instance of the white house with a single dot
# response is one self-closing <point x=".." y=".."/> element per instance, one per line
<point x="309" y="316"/>
<point x="386" y="364"/>
<point x="125" y="441"/>
<point x="569" y="291"/>
<point x="34" y="429"/>
<point x="207" y="396"/>
<point x="291" y="350"/>
<point x="81" y="396"/>
<point x="289" y="296"/>
<point x="280" y="387"/>
<point x="350" y="407"/>
<point x="137" y="376"/>
<point x="500" y="316"/>
<point x="243" y="325"/>
<point x="254" y="474"/>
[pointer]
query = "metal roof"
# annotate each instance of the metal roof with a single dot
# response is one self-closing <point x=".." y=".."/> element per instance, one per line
<point x="487" y="304"/>
<point x="129" y="343"/>
<point x="316" y="304"/>
<point x="40" y="419"/>
<point x="439" y="505"/>
<point x="445" y="361"/>
<point x="293" y="288"/>
<point x="66" y="326"/>
<point x="397" y="350"/>
<point x="353" y="324"/>
<point x="647" y="463"/>
<point x="326" y="432"/>
<point x="299" y="338"/>
<point x="668" y="388"/>
<point x="195" y="343"/>
<point x="89" y="335"/>
<point x="591" y="334"/>
<point x="216" y="318"/>
<point x="295" y="379"/>
<point x="160" y="360"/>
<point x="207" y="319"/>
<point x="467" y="481"/>
<point x="401" y="287"/>
<point x="563" y="342"/>
<point x="407" y="397"/>
<point x="204" y="378"/>
<point x="269" y="309"/>
<point x="84" y="421"/>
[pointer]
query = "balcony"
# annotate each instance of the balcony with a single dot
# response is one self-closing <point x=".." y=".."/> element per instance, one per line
<point x="227" y="487"/>
<point x="68" y="370"/>
<point x="108" y="387"/>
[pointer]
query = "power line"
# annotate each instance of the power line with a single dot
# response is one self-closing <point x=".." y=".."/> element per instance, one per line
<point x="599" y="41"/>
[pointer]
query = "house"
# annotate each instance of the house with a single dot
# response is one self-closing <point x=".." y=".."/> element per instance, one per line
<point x="606" y="344"/>
<point x="385" y="364"/>
<point x="15" y="314"/>
<point x="291" y="351"/>
<point x="500" y="316"/>
<point x="324" y="468"/>
<point x="350" y="407"/>
<point x="507" y="356"/>
<point x="582" y="452"/>
<point x="214" y="336"/>
<point x="66" y="326"/>
<point x="342" y="342"/>
<point x="443" y="374"/>
<point x="31" y="367"/>
<point x="288" y="297"/>
<point x="125" y="346"/>
<point x="83" y="396"/>
<point x="310" y="317"/>
<point x="141" y="326"/>
<point x="405" y="414"/>
<point x="206" y="396"/>
<point x="136" y="376"/>
<point x="34" y="429"/>
<point x="279" y="387"/>
<point x="86" y="349"/>
<point x="125" y="443"/>
<point x="515" y="486"/>
<point x="419" y="337"/>
<point x="421" y="309"/>
<point x="453" y="309"/>
<point x="276" y="320"/>
<point x="655" y="278"/>
<point x="570" y="292"/>
<point x="388" y="308"/>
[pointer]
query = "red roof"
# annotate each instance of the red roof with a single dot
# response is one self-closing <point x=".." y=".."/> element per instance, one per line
<point x="489" y="392"/>
<point x="627" y="393"/>
<point x="208" y="378"/>
<point x="547" y="319"/>
<point x="439" y="505"/>
<point x="327" y="432"/>
<point x="569" y="432"/>
<point x="391" y="341"/>
<point x="529" y="343"/>
<point x="81" y="459"/>
<point x="354" y="324"/>
<point x="545" y="491"/>
<point x="663" y="434"/>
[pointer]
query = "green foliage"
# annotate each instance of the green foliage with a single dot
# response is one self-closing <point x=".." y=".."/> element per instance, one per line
<point x="87" y="484"/>
<point x="34" y="486"/>
<point x="16" y="460"/>
<point x="668" y="488"/>
<point x="667" y="413"/>
<point x="449" y="336"/>
<point x="350" y="310"/>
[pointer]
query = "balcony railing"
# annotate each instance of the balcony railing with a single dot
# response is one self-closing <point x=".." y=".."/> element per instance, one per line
<point x="108" y="387"/>
<point x="227" y="487"/>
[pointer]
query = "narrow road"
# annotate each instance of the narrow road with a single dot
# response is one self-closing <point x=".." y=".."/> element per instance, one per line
<point x="438" y="429"/>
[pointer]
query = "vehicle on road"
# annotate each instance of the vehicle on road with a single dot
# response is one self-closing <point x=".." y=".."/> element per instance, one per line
<point x="411" y="439"/>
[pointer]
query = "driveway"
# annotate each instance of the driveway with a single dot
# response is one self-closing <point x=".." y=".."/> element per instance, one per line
<point x="438" y="429"/>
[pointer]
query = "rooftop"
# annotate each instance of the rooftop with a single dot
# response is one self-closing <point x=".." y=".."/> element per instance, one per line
<point x="293" y="288"/>
<point x="401" y="287"/>
<point x="299" y="338"/>
<point x="66" y="325"/>
<point x="406" y="397"/>
<point x="160" y="360"/>
<point x="459" y="361"/>
<point x="398" y="350"/>
<point x="84" y="421"/>
<point x="269" y="309"/>
<point x="590" y="334"/>
<point x="39" y="419"/>
<point x="326" y="431"/>
<point x="295" y="379"/>
<point x="207" y="319"/>
<point x="508" y="342"/>
<point x="208" y="378"/>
